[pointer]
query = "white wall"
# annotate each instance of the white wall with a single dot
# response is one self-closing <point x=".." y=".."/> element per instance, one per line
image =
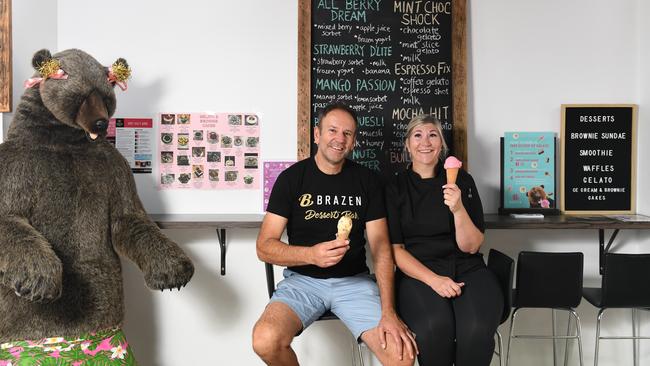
<point x="643" y="14"/>
<point x="526" y="58"/>
<point x="234" y="56"/>
<point x="34" y="27"/>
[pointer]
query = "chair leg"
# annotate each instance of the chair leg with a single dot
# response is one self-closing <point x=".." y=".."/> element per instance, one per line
<point x="578" y="336"/>
<point x="512" y="327"/>
<point x="601" y="312"/>
<point x="500" y="344"/>
<point x="553" y="332"/>
<point x="635" y="333"/>
<point x="360" y="354"/>
<point x="566" y="341"/>
<point x="575" y="314"/>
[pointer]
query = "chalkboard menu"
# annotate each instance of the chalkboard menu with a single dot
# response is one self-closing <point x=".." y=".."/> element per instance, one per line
<point x="389" y="61"/>
<point x="598" y="158"/>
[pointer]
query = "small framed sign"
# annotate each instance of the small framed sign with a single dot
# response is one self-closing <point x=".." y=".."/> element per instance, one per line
<point x="528" y="173"/>
<point x="598" y="159"/>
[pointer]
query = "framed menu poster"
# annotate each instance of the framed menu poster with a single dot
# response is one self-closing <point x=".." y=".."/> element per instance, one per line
<point x="528" y="173"/>
<point x="598" y="158"/>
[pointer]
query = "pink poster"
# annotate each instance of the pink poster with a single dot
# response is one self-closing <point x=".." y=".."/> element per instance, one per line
<point x="271" y="171"/>
<point x="209" y="151"/>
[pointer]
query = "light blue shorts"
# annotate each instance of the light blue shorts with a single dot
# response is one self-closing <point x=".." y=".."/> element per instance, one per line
<point x="355" y="300"/>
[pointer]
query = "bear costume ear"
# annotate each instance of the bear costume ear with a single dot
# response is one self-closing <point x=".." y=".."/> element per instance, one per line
<point x="41" y="57"/>
<point x="47" y="67"/>
<point x="118" y="73"/>
<point x="121" y="61"/>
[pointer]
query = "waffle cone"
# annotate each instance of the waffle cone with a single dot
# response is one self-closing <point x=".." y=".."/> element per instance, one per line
<point x="344" y="227"/>
<point x="343" y="234"/>
<point x="452" y="173"/>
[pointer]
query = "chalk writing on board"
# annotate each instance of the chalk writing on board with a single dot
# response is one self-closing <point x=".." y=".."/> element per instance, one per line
<point x="389" y="61"/>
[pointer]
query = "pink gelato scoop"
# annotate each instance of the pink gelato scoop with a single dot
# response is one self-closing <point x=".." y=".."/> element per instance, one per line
<point x="452" y="166"/>
<point x="452" y="162"/>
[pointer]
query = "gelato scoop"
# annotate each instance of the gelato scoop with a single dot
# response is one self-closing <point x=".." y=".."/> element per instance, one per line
<point x="452" y="165"/>
<point x="344" y="227"/>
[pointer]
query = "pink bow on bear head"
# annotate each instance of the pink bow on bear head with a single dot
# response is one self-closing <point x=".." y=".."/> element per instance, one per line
<point x="118" y="73"/>
<point x="47" y="67"/>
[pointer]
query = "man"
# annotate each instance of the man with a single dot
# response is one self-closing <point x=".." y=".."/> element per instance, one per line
<point x="325" y="272"/>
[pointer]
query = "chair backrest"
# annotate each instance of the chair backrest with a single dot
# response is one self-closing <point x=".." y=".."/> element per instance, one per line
<point x="503" y="268"/>
<point x="626" y="280"/>
<point x="270" y="279"/>
<point x="549" y="280"/>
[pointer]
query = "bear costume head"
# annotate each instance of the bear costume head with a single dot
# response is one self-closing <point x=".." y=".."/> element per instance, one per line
<point x="537" y="198"/>
<point x="75" y="89"/>
<point x="69" y="207"/>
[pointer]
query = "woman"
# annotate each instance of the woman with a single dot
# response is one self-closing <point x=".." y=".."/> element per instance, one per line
<point x="445" y="293"/>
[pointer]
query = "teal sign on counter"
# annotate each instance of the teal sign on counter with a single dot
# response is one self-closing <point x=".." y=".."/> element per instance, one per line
<point x="529" y="170"/>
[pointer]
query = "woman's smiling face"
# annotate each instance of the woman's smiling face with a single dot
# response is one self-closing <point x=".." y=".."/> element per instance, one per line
<point x="424" y="144"/>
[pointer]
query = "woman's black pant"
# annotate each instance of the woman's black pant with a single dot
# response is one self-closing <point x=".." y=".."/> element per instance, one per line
<point x="458" y="331"/>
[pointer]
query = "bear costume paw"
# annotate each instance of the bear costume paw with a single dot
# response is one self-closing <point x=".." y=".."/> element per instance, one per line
<point x="36" y="281"/>
<point x="175" y="271"/>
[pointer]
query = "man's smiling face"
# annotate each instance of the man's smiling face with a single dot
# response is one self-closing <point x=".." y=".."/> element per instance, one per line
<point x="335" y="136"/>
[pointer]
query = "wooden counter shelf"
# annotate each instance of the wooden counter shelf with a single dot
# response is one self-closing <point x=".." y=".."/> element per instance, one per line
<point x="568" y="222"/>
<point x="221" y="222"/>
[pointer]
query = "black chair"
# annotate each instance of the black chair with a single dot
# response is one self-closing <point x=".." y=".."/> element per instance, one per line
<point x="503" y="268"/>
<point x="624" y="285"/>
<point x="328" y="315"/>
<point x="553" y="281"/>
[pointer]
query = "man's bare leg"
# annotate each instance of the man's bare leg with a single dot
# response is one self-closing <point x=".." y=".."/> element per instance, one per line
<point x="387" y="356"/>
<point x="273" y="333"/>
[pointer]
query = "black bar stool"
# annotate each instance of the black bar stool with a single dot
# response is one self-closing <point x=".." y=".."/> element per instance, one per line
<point x="552" y="281"/>
<point x="624" y="285"/>
<point x="503" y="268"/>
<point x="328" y="315"/>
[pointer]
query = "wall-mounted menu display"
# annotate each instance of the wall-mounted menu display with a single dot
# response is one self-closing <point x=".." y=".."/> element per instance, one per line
<point x="598" y="158"/>
<point x="389" y="61"/>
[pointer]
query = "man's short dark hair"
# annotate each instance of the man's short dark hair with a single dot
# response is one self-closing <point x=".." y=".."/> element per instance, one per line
<point x="334" y="106"/>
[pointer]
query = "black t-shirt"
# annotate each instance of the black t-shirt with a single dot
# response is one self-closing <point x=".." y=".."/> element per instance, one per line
<point x="419" y="218"/>
<point x="313" y="202"/>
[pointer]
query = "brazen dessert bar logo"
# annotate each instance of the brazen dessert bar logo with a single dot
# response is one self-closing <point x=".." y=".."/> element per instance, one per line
<point x="308" y="200"/>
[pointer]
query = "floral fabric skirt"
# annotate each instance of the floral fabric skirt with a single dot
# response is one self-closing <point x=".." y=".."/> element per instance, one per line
<point x="105" y="348"/>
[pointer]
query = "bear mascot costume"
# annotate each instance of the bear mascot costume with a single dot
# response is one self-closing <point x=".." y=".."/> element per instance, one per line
<point x="68" y="207"/>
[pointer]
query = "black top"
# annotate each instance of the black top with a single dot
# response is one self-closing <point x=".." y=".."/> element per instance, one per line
<point x="313" y="202"/>
<point x="419" y="219"/>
